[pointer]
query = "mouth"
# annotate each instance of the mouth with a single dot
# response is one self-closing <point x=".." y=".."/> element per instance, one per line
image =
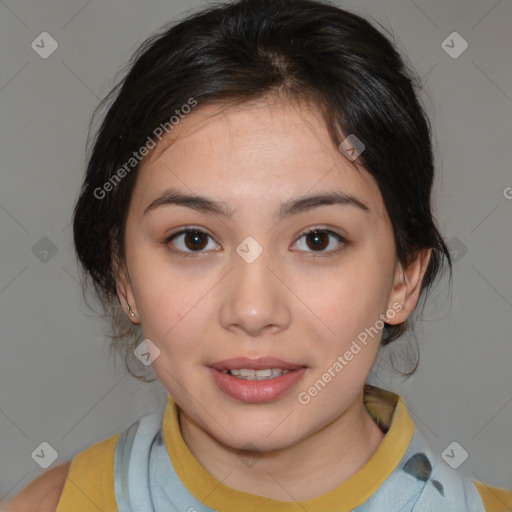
<point x="264" y="374"/>
<point x="230" y="374"/>
<point x="264" y="367"/>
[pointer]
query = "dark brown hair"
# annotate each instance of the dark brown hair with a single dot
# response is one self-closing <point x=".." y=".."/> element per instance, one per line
<point x="244" y="50"/>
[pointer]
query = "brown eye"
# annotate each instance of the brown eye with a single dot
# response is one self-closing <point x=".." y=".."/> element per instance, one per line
<point x="319" y="239"/>
<point x="190" y="240"/>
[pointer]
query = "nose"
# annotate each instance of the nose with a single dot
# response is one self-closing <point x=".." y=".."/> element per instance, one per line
<point x="255" y="300"/>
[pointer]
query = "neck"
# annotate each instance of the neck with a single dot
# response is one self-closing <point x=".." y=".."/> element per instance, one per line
<point x="313" y="466"/>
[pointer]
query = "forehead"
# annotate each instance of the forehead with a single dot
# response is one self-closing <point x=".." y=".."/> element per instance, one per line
<point x="257" y="151"/>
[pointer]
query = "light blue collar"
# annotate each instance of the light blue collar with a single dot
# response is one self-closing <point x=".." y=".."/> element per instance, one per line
<point x="145" y="479"/>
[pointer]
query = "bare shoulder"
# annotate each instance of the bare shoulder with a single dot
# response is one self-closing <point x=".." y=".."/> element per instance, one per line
<point x="42" y="494"/>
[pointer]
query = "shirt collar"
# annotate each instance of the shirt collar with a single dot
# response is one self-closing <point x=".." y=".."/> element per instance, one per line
<point x="387" y="409"/>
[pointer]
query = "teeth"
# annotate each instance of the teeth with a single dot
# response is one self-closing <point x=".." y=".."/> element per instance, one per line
<point x="249" y="374"/>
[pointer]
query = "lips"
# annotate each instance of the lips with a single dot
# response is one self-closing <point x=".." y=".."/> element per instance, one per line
<point x="256" y="391"/>
<point x="260" y="363"/>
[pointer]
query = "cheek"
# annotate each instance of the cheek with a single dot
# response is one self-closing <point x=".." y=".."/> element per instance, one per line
<point x="169" y="314"/>
<point x="352" y="296"/>
<point x="165" y="297"/>
<point x="348" y="306"/>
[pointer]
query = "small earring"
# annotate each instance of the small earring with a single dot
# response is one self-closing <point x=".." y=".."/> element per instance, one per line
<point x="131" y="312"/>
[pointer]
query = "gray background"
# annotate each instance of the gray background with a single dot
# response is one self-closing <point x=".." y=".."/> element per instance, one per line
<point x="57" y="381"/>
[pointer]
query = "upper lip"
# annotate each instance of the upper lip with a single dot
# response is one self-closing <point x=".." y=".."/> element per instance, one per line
<point x="259" y="363"/>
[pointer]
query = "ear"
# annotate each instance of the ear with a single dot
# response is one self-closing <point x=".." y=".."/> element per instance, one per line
<point x="125" y="292"/>
<point x="407" y="287"/>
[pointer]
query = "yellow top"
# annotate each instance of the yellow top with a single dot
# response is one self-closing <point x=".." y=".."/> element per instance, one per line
<point x="90" y="483"/>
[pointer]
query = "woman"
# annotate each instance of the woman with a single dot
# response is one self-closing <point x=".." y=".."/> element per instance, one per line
<point x="257" y="204"/>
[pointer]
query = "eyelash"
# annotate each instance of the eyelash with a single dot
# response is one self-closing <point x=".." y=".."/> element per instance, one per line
<point x="314" y="254"/>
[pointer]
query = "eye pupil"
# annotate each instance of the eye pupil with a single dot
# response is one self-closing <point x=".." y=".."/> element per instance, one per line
<point x="193" y="236"/>
<point x="316" y="235"/>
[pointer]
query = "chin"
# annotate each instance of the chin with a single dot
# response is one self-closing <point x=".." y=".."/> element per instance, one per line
<point x="252" y="438"/>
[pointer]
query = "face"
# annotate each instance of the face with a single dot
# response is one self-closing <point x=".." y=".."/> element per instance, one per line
<point x="245" y="280"/>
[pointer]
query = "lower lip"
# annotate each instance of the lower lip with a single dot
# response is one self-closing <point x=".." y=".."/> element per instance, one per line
<point x="256" y="391"/>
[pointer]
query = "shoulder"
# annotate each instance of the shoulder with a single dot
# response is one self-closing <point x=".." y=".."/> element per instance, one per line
<point x="495" y="499"/>
<point x="43" y="493"/>
<point x="74" y="485"/>
<point x="90" y="483"/>
<point x="439" y="487"/>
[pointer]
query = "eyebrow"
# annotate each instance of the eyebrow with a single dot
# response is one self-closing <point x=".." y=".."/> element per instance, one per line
<point x="303" y="204"/>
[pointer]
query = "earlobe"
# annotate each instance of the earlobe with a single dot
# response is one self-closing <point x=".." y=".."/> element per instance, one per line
<point x="407" y="286"/>
<point x="125" y="293"/>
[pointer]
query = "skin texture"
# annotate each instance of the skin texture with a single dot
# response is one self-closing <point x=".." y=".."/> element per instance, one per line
<point x="295" y="302"/>
<point x="42" y="494"/>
